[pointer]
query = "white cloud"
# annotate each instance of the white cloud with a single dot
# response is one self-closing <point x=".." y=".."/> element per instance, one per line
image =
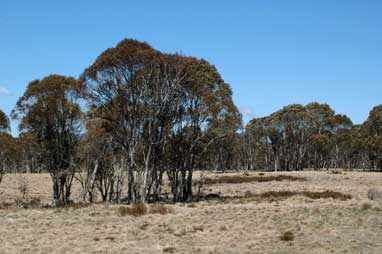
<point x="247" y="111"/>
<point x="4" y="91"/>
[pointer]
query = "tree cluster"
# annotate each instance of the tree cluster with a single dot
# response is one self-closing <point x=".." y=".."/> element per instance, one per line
<point x="138" y="120"/>
<point x="298" y="137"/>
<point x="134" y="116"/>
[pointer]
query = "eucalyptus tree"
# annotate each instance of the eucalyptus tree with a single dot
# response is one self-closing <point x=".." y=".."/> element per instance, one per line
<point x="151" y="103"/>
<point x="101" y="164"/>
<point x="5" y="140"/>
<point x="134" y="89"/>
<point x="50" y="111"/>
<point x="372" y="133"/>
<point x="207" y="115"/>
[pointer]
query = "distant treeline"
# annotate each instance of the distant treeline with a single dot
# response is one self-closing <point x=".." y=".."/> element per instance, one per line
<point x="136" y="115"/>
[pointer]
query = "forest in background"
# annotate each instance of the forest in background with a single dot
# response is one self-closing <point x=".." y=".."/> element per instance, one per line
<point x="137" y="115"/>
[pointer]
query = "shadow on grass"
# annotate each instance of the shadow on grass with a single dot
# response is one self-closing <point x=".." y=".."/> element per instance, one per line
<point x="277" y="195"/>
<point x="249" y="179"/>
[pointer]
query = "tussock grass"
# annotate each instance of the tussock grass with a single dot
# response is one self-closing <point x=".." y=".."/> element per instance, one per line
<point x="135" y="210"/>
<point x="366" y="206"/>
<point x="249" y="179"/>
<point x="287" y="236"/>
<point x="169" y="250"/>
<point x="161" y="209"/>
<point x="141" y="209"/>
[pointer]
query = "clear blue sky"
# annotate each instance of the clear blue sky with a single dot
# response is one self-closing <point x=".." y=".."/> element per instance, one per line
<point x="273" y="53"/>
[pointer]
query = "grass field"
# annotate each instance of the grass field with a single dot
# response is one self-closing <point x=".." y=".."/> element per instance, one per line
<point x="248" y="222"/>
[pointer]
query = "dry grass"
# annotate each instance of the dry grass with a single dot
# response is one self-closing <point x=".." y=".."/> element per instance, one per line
<point x="326" y="194"/>
<point x="374" y="194"/>
<point x="237" y="179"/>
<point x="320" y="221"/>
<point x="161" y="209"/>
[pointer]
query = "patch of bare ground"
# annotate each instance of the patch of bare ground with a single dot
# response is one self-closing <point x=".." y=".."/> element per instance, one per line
<point x="296" y="224"/>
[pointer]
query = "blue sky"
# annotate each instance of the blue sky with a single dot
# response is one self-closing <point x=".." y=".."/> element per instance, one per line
<point x="273" y="53"/>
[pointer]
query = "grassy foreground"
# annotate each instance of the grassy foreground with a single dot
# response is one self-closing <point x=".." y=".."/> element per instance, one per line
<point x="253" y="222"/>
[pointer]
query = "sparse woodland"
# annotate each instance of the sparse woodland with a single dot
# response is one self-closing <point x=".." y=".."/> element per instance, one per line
<point x="138" y="117"/>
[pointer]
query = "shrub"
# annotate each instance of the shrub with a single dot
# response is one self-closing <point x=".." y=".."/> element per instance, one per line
<point x="135" y="210"/>
<point x="374" y="194"/>
<point x="287" y="236"/>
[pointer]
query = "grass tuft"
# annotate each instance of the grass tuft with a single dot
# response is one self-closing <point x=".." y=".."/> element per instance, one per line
<point x="366" y="206"/>
<point x="169" y="250"/>
<point x="287" y="236"/>
<point x="135" y="210"/>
